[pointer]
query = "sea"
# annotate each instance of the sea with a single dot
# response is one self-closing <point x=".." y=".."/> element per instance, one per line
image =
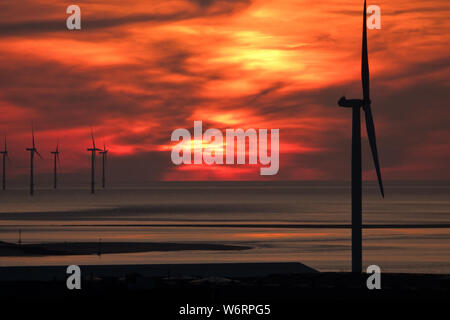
<point x="308" y="222"/>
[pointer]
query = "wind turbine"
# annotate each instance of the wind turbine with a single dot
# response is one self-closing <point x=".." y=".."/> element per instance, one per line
<point x="356" y="104"/>
<point x="93" y="150"/>
<point x="103" y="153"/>
<point x="32" y="150"/>
<point x="55" y="164"/>
<point x="5" y="155"/>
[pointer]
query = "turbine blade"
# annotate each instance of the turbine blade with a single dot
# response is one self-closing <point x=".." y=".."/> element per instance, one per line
<point x="365" y="60"/>
<point x="373" y="144"/>
<point x="92" y="137"/>
<point x="37" y="152"/>
<point x="32" y="135"/>
<point x="8" y="158"/>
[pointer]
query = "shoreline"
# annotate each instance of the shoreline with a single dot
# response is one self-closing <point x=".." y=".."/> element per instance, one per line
<point x="244" y="269"/>
<point x="98" y="248"/>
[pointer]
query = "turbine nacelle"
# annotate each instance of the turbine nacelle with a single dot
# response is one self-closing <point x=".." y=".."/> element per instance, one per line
<point x="34" y="150"/>
<point x="56" y="151"/>
<point x="351" y="103"/>
<point x="104" y="151"/>
<point x="5" y="151"/>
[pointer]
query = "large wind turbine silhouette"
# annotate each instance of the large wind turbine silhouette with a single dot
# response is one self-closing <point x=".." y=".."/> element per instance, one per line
<point x="93" y="151"/>
<point x="356" y="104"/>
<point x="33" y="151"/>
<point x="55" y="165"/>
<point x="104" y="152"/>
<point x="5" y="155"/>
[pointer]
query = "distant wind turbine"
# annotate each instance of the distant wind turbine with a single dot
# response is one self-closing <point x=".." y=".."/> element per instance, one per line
<point x="32" y="150"/>
<point x="356" y="104"/>
<point x="93" y="151"/>
<point x="5" y="155"/>
<point x="104" y="152"/>
<point x="56" y="163"/>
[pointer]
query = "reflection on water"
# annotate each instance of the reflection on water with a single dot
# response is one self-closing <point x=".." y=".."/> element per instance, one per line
<point x="74" y="215"/>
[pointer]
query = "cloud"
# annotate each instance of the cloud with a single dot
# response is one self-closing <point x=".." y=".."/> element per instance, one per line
<point x="204" y="8"/>
<point x="230" y="64"/>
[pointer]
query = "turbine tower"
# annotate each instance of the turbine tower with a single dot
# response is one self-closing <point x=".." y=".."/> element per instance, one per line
<point x="5" y="155"/>
<point x="33" y="151"/>
<point x="56" y="162"/>
<point x="93" y="150"/>
<point x="356" y="105"/>
<point x="104" y="152"/>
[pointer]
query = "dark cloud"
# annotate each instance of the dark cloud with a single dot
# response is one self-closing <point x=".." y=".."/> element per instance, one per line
<point x="58" y="25"/>
<point x="206" y="8"/>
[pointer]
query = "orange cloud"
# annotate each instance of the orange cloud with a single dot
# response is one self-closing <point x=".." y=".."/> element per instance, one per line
<point x="140" y="69"/>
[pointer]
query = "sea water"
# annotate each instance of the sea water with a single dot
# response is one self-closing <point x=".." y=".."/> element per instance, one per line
<point x="267" y="216"/>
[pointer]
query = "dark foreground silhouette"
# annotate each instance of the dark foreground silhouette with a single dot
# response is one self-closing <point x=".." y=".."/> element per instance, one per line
<point x="87" y="248"/>
<point x="289" y="288"/>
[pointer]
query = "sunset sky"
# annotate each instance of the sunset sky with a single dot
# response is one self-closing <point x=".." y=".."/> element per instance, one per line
<point x="140" y="69"/>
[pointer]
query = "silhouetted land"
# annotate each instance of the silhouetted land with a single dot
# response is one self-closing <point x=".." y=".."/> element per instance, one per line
<point x="215" y="283"/>
<point x="292" y="290"/>
<point x="87" y="248"/>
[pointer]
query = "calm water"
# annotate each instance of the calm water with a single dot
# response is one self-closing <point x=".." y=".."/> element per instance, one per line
<point x="124" y="214"/>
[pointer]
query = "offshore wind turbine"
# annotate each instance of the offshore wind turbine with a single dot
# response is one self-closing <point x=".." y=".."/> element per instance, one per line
<point x="93" y="151"/>
<point x="5" y="155"/>
<point x="56" y="162"/>
<point x="356" y="105"/>
<point x="32" y="151"/>
<point x="104" y="152"/>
